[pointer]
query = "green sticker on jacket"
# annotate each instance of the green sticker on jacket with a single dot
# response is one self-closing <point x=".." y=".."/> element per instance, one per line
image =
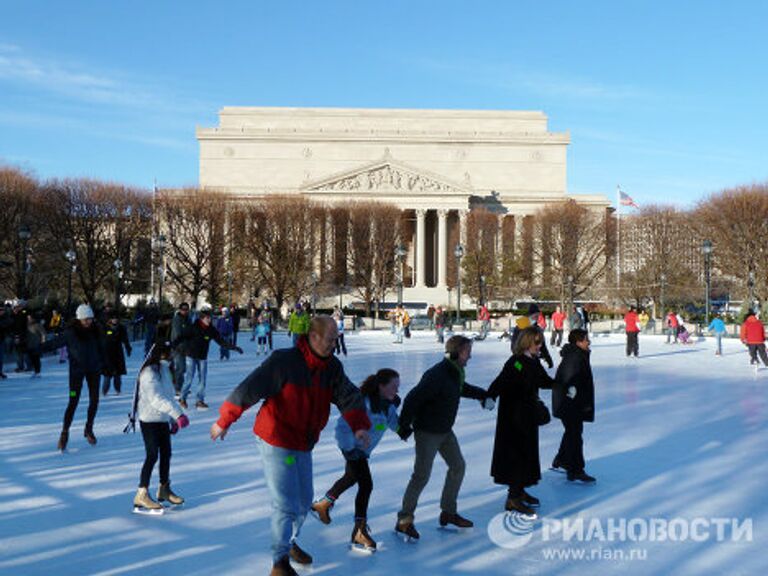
<point x="518" y="365"/>
<point x="381" y="427"/>
<point x="290" y="460"/>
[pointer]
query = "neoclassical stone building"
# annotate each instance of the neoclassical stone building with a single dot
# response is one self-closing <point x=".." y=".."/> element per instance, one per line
<point x="435" y="165"/>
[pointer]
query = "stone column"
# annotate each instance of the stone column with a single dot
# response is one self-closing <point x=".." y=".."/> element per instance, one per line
<point x="420" y="247"/>
<point x="442" y="248"/>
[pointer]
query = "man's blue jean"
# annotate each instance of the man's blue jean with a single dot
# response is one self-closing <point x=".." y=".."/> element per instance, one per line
<point x="288" y="474"/>
<point x="193" y="366"/>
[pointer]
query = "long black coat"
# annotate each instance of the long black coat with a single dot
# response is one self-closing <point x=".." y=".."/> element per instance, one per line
<point x="84" y="345"/>
<point x="574" y="370"/>
<point x="516" y="446"/>
<point x="115" y="338"/>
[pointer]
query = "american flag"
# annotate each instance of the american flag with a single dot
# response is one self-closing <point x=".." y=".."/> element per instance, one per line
<point x="626" y="200"/>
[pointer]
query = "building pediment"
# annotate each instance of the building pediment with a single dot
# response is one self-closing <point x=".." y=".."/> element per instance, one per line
<point x="390" y="177"/>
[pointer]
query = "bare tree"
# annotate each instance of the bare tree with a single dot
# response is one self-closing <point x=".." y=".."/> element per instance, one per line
<point x="736" y="221"/>
<point x="100" y="222"/>
<point x="480" y="272"/>
<point x="573" y="247"/>
<point x="278" y="236"/>
<point x="193" y="220"/>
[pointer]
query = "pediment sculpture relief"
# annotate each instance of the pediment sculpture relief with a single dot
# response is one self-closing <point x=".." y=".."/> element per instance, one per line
<point x="388" y="177"/>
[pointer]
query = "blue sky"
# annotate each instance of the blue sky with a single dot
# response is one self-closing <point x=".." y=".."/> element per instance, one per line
<point x="667" y="99"/>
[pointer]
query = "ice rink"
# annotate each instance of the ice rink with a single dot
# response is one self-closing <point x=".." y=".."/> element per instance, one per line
<point x="678" y="446"/>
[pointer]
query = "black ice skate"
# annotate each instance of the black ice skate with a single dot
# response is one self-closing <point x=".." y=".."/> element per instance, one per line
<point x="581" y="477"/>
<point x="454" y="521"/>
<point x="406" y="530"/>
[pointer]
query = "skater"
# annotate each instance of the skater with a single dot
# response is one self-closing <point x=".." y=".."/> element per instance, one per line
<point x="573" y="402"/>
<point x="439" y="320"/>
<point x="717" y="327"/>
<point x="262" y="333"/>
<point x="429" y="411"/>
<point x="298" y="324"/>
<point x="484" y="316"/>
<point x="224" y="327"/>
<point x="533" y="321"/>
<point x="160" y="416"/>
<point x="558" y="320"/>
<point x="752" y="336"/>
<point x="515" y="461"/>
<point x="86" y="362"/>
<point x="267" y="317"/>
<point x="5" y="325"/>
<point x="35" y="339"/>
<point x="115" y="339"/>
<point x="297" y="386"/>
<point x="632" y="330"/>
<point x="381" y="401"/>
<point x="19" y="331"/>
<point x="181" y="322"/>
<point x="671" y="325"/>
<point x="338" y="317"/>
<point x="196" y="340"/>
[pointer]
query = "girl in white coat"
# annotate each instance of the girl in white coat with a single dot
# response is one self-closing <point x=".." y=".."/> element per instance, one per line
<point x="159" y="416"/>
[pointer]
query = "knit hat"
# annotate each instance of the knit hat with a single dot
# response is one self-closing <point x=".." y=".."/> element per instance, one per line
<point x="84" y="312"/>
<point x="533" y="309"/>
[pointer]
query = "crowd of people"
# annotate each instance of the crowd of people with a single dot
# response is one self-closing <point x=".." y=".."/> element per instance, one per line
<point x="296" y="386"/>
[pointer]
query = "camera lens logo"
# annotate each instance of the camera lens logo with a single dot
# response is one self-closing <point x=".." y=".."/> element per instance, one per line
<point x="511" y="530"/>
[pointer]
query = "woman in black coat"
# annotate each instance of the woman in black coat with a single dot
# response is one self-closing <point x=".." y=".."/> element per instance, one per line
<point x="516" y="447"/>
<point x="115" y="339"/>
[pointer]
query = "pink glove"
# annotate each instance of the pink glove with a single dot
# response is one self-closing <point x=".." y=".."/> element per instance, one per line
<point x="182" y="421"/>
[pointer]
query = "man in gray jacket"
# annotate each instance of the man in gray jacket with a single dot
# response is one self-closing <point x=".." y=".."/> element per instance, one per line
<point x="430" y="410"/>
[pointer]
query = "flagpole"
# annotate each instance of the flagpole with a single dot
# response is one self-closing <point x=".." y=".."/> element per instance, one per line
<point x="153" y="235"/>
<point x="618" y="236"/>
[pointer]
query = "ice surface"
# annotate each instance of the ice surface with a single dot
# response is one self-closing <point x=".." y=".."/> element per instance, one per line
<point x="679" y="439"/>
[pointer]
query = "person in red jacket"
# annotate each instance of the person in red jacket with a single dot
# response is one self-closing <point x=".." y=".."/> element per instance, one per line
<point x="632" y="329"/>
<point x="558" y="320"/>
<point x="672" y="326"/>
<point x="753" y="336"/>
<point x="297" y="386"/>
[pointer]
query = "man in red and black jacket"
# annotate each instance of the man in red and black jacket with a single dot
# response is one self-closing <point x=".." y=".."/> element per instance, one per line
<point x="297" y="386"/>
<point x="632" y="330"/>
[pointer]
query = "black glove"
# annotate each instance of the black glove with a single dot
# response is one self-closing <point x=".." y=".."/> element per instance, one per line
<point x="404" y="432"/>
<point x="238" y="349"/>
<point x="550" y="363"/>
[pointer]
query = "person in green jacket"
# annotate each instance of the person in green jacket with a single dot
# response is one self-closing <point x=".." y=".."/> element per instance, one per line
<point x="298" y="324"/>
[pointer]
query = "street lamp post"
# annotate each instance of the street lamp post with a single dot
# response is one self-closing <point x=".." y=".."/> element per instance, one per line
<point x="400" y="255"/>
<point x="570" y="290"/>
<point x="118" y="264"/>
<point x="482" y="290"/>
<point x="71" y="256"/>
<point x="663" y="279"/>
<point x="229" y="288"/>
<point x="706" y="248"/>
<point x="160" y="245"/>
<point x="751" y="285"/>
<point x="24" y="235"/>
<point x="458" y="252"/>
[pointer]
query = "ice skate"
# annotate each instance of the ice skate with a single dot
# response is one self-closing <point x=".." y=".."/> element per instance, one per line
<point x="581" y="477"/>
<point x="557" y="465"/>
<point x="532" y="501"/>
<point x="200" y="405"/>
<point x="88" y="433"/>
<point x="322" y="509"/>
<point x="361" y="539"/>
<point x="406" y="530"/>
<point x="299" y="556"/>
<point x="516" y="504"/>
<point x="143" y="503"/>
<point x="165" y="494"/>
<point x="454" y="521"/>
<point x="63" y="440"/>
